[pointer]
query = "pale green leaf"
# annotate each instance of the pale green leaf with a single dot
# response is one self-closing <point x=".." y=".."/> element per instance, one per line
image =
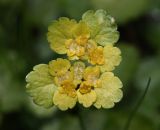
<point x="40" y="85"/>
<point x="102" y="27"/>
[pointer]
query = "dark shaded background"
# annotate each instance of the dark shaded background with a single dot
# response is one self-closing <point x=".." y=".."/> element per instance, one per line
<point x="23" y="44"/>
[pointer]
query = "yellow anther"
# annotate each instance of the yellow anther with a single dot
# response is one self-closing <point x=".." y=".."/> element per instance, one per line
<point x="69" y="88"/>
<point x="96" y="56"/>
<point x="82" y="40"/>
<point x="74" y="49"/>
<point x="85" y="87"/>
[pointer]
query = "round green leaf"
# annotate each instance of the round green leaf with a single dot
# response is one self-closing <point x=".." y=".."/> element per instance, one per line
<point x="40" y="85"/>
<point x="102" y="26"/>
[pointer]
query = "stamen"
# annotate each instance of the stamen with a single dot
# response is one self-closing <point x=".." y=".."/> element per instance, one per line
<point x="85" y="87"/>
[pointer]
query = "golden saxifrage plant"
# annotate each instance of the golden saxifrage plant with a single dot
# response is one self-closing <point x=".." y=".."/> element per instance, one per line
<point x="86" y="75"/>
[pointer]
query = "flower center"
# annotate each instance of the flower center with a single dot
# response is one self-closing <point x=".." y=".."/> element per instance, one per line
<point x="81" y="40"/>
<point x="59" y="80"/>
<point x="96" y="56"/>
<point x="85" y="87"/>
<point x="69" y="89"/>
<point x="77" y="46"/>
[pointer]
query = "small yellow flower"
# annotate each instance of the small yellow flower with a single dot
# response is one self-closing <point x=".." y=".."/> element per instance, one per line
<point x="87" y="99"/>
<point x="96" y="56"/>
<point x="74" y="49"/>
<point x="60" y="79"/>
<point x="63" y="101"/>
<point x="85" y="87"/>
<point x="69" y="88"/>
<point x="70" y="39"/>
<point x="77" y="69"/>
<point x="91" y="75"/>
<point x="82" y="40"/>
<point x="59" y="66"/>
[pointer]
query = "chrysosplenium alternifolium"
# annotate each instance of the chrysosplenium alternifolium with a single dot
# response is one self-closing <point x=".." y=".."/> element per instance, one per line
<point x="86" y="75"/>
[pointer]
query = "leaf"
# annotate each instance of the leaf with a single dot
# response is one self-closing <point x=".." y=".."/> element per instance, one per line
<point x="150" y="67"/>
<point x="40" y="85"/>
<point x="40" y="111"/>
<point x="102" y="27"/>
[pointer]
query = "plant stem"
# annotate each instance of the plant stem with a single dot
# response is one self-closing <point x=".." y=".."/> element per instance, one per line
<point x="128" y="123"/>
<point x="81" y="122"/>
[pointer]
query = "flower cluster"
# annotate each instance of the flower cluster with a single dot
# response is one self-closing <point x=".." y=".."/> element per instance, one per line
<point x="86" y="75"/>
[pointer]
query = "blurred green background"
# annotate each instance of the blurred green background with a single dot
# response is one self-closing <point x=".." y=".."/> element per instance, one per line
<point x="23" y="44"/>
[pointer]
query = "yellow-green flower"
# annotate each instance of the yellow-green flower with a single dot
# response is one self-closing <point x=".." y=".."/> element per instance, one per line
<point x="106" y="57"/>
<point x="77" y="39"/>
<point x="72" y="83"/>
<point x="59" y="67"/>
